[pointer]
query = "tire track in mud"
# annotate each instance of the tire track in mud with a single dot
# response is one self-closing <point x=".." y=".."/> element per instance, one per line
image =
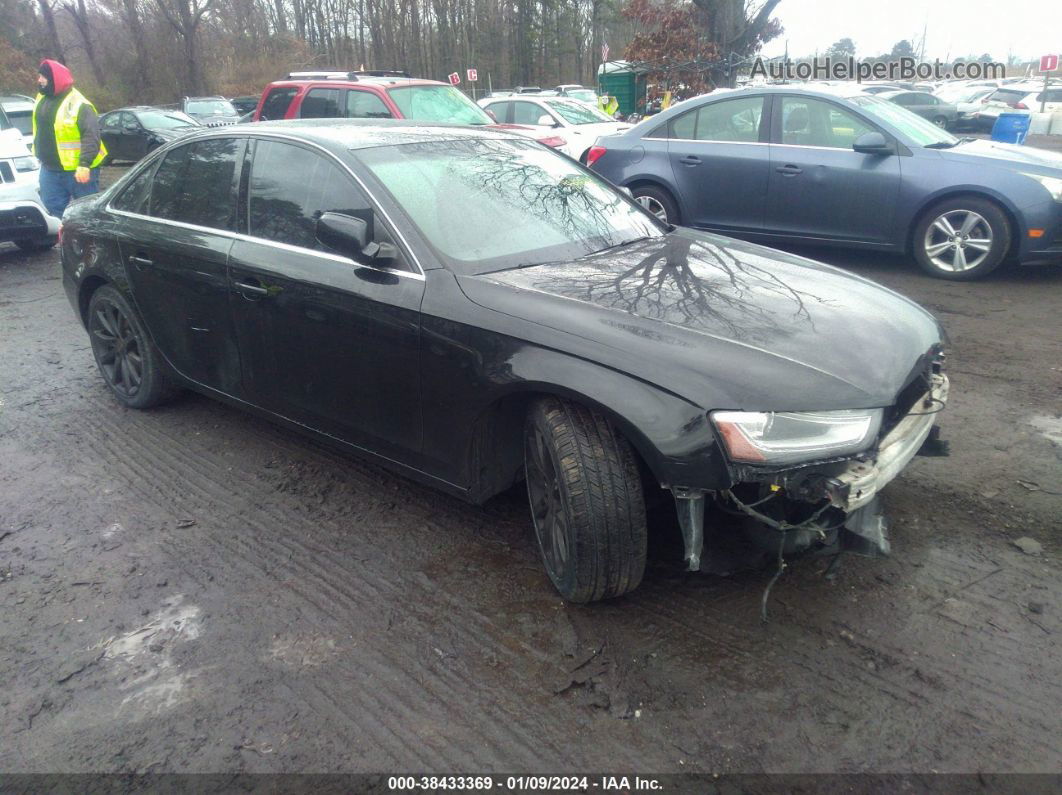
<point x="175" y="472"/>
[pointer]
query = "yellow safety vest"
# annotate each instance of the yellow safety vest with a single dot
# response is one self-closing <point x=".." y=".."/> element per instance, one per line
<point x="67" y="134"/>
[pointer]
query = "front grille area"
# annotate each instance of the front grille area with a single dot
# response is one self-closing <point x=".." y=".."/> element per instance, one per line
<point x="7" y="173"/>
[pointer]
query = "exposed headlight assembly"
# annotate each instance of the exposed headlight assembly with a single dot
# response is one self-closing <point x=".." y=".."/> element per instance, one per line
<point x="1053" y="185"/>
<point x="26" y="164"/>
<point x="786" y="437"/>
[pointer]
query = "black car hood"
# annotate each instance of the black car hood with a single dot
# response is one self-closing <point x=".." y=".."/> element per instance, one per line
<point x="725" y="324"/>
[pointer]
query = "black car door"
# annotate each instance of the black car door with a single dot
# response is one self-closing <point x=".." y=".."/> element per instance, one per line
<point x="326" y="341"/>
<point x="134" y="136"/>
<point x="111" y="134"/>
<point x="174" y="240"/>
<point x="819" y="186"/>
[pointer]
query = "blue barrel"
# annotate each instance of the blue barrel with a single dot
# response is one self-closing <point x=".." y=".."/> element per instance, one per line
<point x="1011" y="128"/>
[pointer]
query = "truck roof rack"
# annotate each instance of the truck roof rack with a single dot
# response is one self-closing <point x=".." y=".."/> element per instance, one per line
<point x="335" y="74"/>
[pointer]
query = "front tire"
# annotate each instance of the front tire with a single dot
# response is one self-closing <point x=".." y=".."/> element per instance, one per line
<point x="941" y="122"/>
<point x="125" y="355"/>
<point x="962" y="239"/>
<point x="658" y="202"/>
<point x="586" y="501"/>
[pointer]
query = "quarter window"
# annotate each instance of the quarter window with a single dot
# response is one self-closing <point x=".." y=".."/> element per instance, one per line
<point x="291" y="187"/>
<point x="815" y="122"/>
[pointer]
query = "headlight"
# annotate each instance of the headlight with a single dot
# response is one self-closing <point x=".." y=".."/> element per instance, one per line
<point x="26" y="164"/>
<point x="1053" y="185"/>
<point x="789" y="437"/>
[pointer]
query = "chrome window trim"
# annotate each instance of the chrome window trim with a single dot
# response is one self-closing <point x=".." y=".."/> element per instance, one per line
<point x="264" y="241"/>
<point x="407" y="249"/>
<point x="824" y="148"/>
<point x="713" y="141"/>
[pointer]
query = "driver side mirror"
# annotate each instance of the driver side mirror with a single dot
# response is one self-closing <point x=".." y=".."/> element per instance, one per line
<point x="350" y="236"/>
<point x="131" y="126"/>
<point x="872" y="143"/>
<point x="491" y="114"/>
<point x="545" y="120"/>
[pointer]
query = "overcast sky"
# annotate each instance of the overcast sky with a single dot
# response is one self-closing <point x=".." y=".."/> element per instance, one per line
<point x="956" y="28"/>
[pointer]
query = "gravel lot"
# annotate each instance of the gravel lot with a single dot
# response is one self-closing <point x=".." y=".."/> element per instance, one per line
<point x="194" y="589"/>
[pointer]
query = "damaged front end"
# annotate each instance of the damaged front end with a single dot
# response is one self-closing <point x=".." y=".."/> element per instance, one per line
<point x="830" y="504"/>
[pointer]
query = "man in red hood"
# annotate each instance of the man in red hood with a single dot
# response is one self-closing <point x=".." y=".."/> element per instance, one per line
<point x="66" y="139"/>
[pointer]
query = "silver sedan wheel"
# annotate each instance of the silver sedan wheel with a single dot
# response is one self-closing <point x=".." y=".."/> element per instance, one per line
<point x="653" y="206"/>
<point x="958" y="240"/>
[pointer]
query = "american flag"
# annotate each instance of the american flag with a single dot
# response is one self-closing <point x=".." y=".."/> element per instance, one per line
<point x="604" y="51"/>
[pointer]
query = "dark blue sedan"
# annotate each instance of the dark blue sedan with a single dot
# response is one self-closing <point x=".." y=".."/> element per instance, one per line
<point x="787" y="164"/>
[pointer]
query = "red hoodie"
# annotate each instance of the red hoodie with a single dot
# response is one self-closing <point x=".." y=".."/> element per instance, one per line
<point x="61" y="77"/>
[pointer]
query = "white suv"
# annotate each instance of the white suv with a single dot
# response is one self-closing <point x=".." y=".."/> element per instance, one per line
<point x="579" y="124"/>
<point x="23" y="219"/>
<point x="1020" y="97"/>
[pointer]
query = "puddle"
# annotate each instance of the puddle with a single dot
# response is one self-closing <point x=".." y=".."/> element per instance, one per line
<point x="1050" y="427"/>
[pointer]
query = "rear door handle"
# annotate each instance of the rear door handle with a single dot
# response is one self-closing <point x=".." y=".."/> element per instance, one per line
<point x="143" y="262"/>
<point x="789" y="170"/>
<point x="252" y="290"/>
<point x="690" y="160"/>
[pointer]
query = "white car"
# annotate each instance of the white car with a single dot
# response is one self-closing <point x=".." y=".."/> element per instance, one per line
<point x="1019" y="97"/>
<point x="19" y="110"/>
<point x="576" y="122"/>
<point x="23" y="219"/>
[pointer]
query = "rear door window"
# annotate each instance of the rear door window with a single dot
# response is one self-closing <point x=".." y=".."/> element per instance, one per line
<point x="277" y="102"/>
<point x="169" y="183"/>
<point x="209" y="195"/>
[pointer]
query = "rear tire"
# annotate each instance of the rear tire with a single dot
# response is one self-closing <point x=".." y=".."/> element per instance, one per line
<point x="586" y="501"/>
<point x="941" y="122"/>
<point x="658" y="202"/>
<point x="126" y="357"/>
<point x="962" y="239"/>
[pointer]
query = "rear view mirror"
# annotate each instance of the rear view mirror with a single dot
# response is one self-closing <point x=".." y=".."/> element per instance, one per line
<point x="350" y="236"/>
<point x="872" y="143"/>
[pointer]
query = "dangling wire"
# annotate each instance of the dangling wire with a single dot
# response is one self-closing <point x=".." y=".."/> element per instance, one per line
<point x="774" y="579"/>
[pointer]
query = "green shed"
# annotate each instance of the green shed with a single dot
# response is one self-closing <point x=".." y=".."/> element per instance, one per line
<point x="626" y="82"/>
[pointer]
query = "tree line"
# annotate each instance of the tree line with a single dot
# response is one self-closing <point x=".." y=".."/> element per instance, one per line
<point x="153" y="51"/>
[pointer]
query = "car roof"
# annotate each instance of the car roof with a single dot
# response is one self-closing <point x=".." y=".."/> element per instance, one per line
<point x="359" y="81"/>
<point x="352" y="134"/>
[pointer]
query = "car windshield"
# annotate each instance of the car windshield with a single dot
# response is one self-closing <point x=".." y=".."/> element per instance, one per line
<point x="210" y="107"/>
<point x="22" y="120"/>
<point x="919" y="130"/>
<point x="582" y="94"/>
<point x="170" y="120"/>
<point x="576" y="113"/>
<point x="438" y="103"/>
<point x="487" y="205"/>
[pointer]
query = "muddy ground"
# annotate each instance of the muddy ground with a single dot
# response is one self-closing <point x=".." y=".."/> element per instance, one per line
<point x="194" y="589"/>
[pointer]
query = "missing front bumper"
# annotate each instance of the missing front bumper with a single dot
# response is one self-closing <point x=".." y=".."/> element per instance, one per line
<point x="860" y="481"/>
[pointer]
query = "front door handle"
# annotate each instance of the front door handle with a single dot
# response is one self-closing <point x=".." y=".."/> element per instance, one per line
<point x="789" y="170"/>
<point x="690" y="160"/>
<point x="142" y="262"/>
<point x="252" y="290"/>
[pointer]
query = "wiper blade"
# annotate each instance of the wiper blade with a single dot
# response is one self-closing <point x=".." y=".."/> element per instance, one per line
<point x="942" y="144"/>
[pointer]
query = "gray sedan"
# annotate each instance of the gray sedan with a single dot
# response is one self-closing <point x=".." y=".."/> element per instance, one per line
<point x="779" y="164"/>
<point x="929" y="107"/>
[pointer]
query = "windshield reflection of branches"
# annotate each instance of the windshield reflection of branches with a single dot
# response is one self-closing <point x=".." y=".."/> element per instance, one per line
<point x="565" y="200"/>
<point x="671" y="283"/>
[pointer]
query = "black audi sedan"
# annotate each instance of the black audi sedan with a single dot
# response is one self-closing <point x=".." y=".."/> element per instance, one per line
<point x="474" y="310"/>
<point x="130" y="133"/>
